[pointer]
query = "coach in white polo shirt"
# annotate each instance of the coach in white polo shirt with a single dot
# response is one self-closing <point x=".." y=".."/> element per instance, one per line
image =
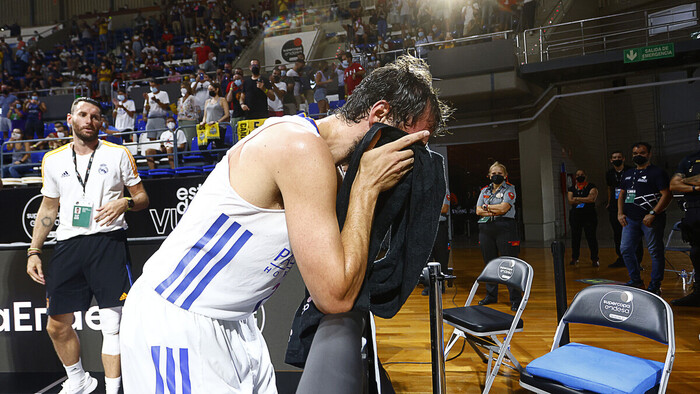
<point x="85" y="180"/>
<point x="155" y="109"/>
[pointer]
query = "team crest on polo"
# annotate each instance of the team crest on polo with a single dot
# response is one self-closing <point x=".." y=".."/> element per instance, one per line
<point x="103" y="169"/>
<point x="617" y="306"/>
<point x="505" y="269"/>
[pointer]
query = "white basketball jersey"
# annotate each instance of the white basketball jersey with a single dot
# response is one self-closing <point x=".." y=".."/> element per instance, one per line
<point x="226" y="256"/>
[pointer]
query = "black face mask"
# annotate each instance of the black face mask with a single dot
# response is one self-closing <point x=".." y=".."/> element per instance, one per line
<point x="497" y="179"/>
<point x="580" y="179"/>
<point x="255" y="70"/>
<point x="212" y="93"/>
<point x="640" y="160"/>
<point x="617" y="163"/>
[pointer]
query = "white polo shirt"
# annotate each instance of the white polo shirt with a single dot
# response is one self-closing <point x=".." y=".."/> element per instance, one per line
<point x="155" y="111"/>
<point x="123" y="121"/>
<point x="112" y="169"/>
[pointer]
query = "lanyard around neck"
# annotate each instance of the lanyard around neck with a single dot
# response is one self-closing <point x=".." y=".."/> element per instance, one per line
<point x="87" y="172"/>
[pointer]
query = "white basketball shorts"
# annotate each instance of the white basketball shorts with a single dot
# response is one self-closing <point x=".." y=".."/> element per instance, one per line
<point x="166" y="348"/>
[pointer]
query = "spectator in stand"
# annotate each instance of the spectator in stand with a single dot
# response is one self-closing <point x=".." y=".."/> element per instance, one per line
<point x="6" y="101"/>
<point x="200" y="89"/>
<point x="233" y="93"/>
<point x="295" y="75"/>
<point x="210" y="64"/>
<point x="20" y="157"/>
<point x="288" y="101"/>
<point x="354" y="72"/>
<point x="216" y="110"/>
<point x="422" y="49"/>
<point x="167" y="145"/>
<point x="201" y="50"/>
<point x="51" y="142"/>
<point x="278" y="89"/>
<point x="470" y="14"/>
<point x="102" y="28"/>
<point x="17" y="115"/>
<point x="7" y="56"/>
<point x="323" y="77"/>
<point x="187" y="114"/>
<point x="155" y="109"/>
<point x="104" y="78"/>
<point x="123" y="114"/>
<point x="253" y="100"/>
<point x="34" y="110"/>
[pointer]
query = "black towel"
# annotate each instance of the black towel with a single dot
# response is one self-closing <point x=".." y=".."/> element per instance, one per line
<point x="411" y="209"/>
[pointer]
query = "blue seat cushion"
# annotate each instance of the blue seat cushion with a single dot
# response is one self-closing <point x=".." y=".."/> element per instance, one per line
<point x="584" y="367"/>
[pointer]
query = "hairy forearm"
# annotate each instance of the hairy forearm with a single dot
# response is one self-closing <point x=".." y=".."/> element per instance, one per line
<point x="45" y="219"/>
<point x="140" y="197"/>
<point x="692" y="181"/>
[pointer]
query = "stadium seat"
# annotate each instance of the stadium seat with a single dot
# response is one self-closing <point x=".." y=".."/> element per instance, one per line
<point x="578" y="368"/>
<point x="480" y="325"/>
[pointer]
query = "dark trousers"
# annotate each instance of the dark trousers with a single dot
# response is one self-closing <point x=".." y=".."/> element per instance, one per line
<point x="617" y="236"/>
<point x="586" y="223"/>
<point x="499" y="238"/>
<point x="690" y="227"/>
<point x="441" y="248"/>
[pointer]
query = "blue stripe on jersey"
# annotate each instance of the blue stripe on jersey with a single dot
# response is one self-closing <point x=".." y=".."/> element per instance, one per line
<point x="192" y="252"/>
<point x="203" y="262"/>
<point x="185" y="371"/>
<point x="217" y="267"/>
<point x="155" y="355"/>
<point x="170" y="370"/>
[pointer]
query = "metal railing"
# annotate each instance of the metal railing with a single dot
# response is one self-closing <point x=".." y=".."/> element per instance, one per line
<point x="75" y="90"/>
<point x="604" y="34"/>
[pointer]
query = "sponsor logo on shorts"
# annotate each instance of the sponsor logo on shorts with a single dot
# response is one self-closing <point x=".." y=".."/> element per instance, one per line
<point x="123" y="297"/>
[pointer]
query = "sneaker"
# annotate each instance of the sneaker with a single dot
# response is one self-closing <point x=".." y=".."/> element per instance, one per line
<point x="619" y="263"/>
<point x="596" y="263"/>
<point x="692" y="299"/>
<point x="88" y="385"/>
<point x="654" y="288"/>
<point x="573" y="262"/>
<point x="634" y="283"/>
<point x="488" y="300"/>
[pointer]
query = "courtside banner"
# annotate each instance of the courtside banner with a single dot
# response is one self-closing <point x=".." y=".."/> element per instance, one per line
<point x="286" y="48"/>
<point x="169" y="198"/>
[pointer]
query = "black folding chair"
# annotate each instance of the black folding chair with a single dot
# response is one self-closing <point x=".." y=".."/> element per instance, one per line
<point x="578" y="368"/>
<point x="480" y="325"/>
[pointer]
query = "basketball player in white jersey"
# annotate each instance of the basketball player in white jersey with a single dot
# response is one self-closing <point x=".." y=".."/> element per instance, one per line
<point x="267" y="206"/>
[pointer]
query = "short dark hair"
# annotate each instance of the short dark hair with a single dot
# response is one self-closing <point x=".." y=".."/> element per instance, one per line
<point x="86" y="100"/>
<point x="406" y="84"/>
<point x="642" y="143"/>
<point x="616" y="151"/>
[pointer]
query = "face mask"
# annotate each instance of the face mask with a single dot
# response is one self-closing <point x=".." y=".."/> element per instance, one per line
<point x="421" y="34"/>
<point x="255" y="70"/>
<point x="104" y="125"/>
<point x="580" y="179"/>
<point x="284" y="72"/>
<point x="104" y="67"/>
<point x="35" y="98"/>
<point x="434" y="29"/>
<point x="60" y="134"/>
<point x="120" y="97"/>
<point x="497" y="179"/>
<point x="238" y="82"/>
<point x="212" y="93"/>
<point x="213" y="59"/>
<point x="171" y="125"/>
<point x="640" y="160"/>
<point x="183" y="92"/>
<point x="275" y="79"/>
<point x="19" y="105"/>
<point x="617" y="163"/>
<point x="154" y="89"/>
<point x="345" y="63"/>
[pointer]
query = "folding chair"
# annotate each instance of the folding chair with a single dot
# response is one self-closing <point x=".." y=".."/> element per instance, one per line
<point x="578" y="368"/>
<point x="480" y="325"/>
<point x="675" y="243"/>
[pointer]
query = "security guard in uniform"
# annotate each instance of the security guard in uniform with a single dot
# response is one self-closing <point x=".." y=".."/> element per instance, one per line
<point x="498" y="233"/>
<point x="687" y="181"/>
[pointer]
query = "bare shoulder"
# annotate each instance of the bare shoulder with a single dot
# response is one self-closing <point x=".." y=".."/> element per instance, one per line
<point x="288" y="143"/>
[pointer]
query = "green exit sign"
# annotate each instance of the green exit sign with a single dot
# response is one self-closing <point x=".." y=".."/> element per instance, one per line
<point x="652" y="52"/>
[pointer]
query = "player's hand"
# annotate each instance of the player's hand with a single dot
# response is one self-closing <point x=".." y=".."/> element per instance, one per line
<point x="648" y="220"/>
<point x="34" y="269"/>
<point x="622" y="219"/>
<point x="383" y="167"/>
<point x="110" y="211"/>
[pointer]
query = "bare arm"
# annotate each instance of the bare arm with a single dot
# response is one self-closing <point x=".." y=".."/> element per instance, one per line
<point x="331" y="262"/>
<point x="227" y="113"/>
<point x="620" y="208"/>
<point x="610" y="194"/>
<point x="679" y="185"/>
<point x="45" y="219"/>
<point x="494" y="210"/>
<point x="589" y="199"/>
<point x="570" y="198"/>
<point x="693" y="180"/>
<point x="109" y="212"/>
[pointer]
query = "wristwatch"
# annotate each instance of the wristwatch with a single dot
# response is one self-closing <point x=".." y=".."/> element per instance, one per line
<point x="130" y="203"/>
<point x="652" y="212"/>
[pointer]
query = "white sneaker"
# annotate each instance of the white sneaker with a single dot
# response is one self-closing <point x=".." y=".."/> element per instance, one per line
<point x="88" y="385"/>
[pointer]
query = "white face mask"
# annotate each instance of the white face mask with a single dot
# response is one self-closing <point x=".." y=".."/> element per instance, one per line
<point x="154" y="89"/>
<point x="171" y="125"/>
<point x="60" y="134"/>
<point x="120" y="97"/>
<point x="183" y="91"/>
<point x="345" y="63"/>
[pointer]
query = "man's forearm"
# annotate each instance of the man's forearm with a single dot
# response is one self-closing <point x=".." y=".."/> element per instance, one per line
<point x="45" y="219"/>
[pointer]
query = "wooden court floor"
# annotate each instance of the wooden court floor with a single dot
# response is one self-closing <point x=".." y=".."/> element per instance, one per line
<point x="404" y="341"/>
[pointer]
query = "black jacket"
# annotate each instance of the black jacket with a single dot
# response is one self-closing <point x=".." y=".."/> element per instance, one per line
<point x="410" y="210"/>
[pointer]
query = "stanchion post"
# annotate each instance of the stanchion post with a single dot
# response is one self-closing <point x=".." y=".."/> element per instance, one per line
<point x="437" y="342"/>
<point x="558" y="249"/>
